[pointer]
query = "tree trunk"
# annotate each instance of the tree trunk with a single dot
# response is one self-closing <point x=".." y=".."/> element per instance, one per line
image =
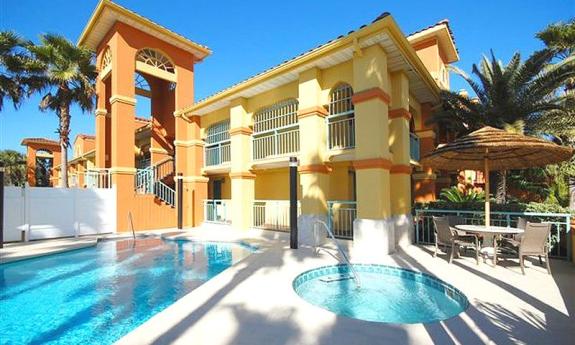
<point x="64" y="132"/>
<point x="501" y="196"/>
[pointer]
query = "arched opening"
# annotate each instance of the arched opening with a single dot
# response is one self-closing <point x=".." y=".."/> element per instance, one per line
<point x="44" y="166"/>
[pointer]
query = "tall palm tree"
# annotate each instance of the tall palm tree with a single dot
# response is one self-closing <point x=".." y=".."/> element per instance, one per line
<point x="516" y="95"/>
<point x="68" y="77"/>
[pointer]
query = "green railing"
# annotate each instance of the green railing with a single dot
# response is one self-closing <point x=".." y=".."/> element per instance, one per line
<point x="559" y="238"/>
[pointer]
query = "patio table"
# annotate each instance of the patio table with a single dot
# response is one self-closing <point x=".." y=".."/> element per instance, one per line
<point x="490" y="230"/>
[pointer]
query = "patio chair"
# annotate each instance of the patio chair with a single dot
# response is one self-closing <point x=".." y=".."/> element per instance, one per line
<point x="457" y="220"/>
<point x="534" y="242"/>
<point x="447" y="237"/>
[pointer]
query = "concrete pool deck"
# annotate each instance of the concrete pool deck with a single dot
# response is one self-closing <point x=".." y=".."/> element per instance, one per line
<point x="253" y="302"/>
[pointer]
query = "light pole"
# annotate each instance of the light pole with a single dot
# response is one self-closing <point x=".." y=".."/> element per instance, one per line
<point x="293" y="202"/>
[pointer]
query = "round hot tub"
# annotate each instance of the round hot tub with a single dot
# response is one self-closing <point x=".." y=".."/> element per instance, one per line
<point x="384" y="293"/>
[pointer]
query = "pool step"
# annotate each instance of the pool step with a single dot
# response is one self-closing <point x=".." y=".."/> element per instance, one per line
<point x="336" y="278"/>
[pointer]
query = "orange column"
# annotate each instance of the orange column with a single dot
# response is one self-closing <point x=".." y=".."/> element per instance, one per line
<point x="424" y="179"/>
<point x="31" y="166"/>
<point x="189" y="149"/>
<point x="123" y="110"/>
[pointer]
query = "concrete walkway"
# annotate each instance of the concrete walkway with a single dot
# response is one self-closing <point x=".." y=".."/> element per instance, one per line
<point x="26" y="250"/>
<point x="253" y="303"/>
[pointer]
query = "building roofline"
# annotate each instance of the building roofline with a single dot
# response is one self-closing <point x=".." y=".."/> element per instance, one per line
<point x="383" y="21"/>
<point x="44" y="141"/>
<point x="199" y="50"/>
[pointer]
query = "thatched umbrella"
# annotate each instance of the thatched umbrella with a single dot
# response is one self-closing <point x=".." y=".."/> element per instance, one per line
<point x="494" y="149"/>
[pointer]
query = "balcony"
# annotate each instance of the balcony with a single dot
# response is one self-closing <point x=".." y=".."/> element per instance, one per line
<point x="275" y="143"/>
<point x="218" y="211"/>
<point x="414" y="147"/>
<point x="217" y="155"/>
<point x="341" y="133"/>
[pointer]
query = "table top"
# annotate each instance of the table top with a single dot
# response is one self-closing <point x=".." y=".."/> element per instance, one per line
<point x="491" y="229"/>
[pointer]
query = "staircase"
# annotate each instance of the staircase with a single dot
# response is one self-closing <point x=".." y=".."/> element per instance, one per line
<point x="158" y="179"/>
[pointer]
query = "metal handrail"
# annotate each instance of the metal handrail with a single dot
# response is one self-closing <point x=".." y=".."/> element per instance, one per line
<point x="340" y="250"/>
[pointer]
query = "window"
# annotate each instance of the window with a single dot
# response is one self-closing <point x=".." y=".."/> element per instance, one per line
<point x="341" y="122"/>
<point x="217" y="149"/>
<point x="278" y="115"/>
<point x="276" y="131"/>
<point x="106" y="59"/>
<point x="155" y="59"/>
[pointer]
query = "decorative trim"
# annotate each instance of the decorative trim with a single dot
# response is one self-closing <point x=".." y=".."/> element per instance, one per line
<point x="248" y="175"/>
<point x="158" y="150"/>
<point x="372" y="163"/>
<point x="425" y="133"/>
<point x="399" y="113"/>
<point x="312" y="111"/>
<point x="369" y="94"/>
<point x="189" y="143"/>
<point x="122" y="170"/>
<point x="122" y="99"/>
<point x="400" y="169"/>
<point x="241" y="130"/>
<point x="179" y="113"/>
<point x="192" y="179"/>
<point x="101" y="112"/>
<point x="314" y="168"/>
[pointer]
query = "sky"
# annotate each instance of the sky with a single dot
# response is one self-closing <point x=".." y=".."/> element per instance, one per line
<point x="249" y="36"/>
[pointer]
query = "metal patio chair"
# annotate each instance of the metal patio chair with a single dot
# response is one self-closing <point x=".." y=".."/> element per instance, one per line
<point x="448" y="237"/>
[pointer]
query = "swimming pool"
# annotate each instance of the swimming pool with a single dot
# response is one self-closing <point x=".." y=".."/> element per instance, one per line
<point x="96" y="295"/>
<point x="386" y="294"/>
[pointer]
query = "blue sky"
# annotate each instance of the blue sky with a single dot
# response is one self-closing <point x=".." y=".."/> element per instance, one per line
<point x="249" y="36"/>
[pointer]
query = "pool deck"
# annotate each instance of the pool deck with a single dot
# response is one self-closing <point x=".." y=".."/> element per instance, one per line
<point x="253" y="302"/>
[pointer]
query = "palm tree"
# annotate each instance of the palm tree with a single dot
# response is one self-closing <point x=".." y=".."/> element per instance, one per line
<point x="16" y="69"/>
<point x="560" y="39"/>
<point x="516" y="95"/>
<point x="67" y="76"/>
<point x="15" y="164"/>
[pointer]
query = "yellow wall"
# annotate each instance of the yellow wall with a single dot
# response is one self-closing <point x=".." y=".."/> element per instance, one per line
<point x="340" y="182"/>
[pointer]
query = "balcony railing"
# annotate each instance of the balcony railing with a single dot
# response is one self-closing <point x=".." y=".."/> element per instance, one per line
<point x="559" y="238"/>
<point x="217" y="155"/>
<point x="217" y="211"/>
<point x="272" y="214"/>
<point x="341" y="133"/>
<point x="275" y="143"/>
<point x="414" y="147"/>
<point x="341" y="215"/>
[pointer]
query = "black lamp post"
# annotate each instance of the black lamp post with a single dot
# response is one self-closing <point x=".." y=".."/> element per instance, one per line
<point x="293" y="202"/>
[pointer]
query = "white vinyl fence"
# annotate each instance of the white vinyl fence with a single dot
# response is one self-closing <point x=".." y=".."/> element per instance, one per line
<point x="44" y="213"/>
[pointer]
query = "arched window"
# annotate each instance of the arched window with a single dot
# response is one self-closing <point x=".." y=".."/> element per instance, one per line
<point x="155" y="59"/>
<point x="218" y="144"/>
<point x="341" y="122"/>
<point x="280" y="114"/>
<point x="106" y="59"/>
<point x="276" y="131"/>
<point x="340" y="100"/>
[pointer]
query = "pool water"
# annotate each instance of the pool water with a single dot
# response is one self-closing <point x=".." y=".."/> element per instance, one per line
<point x="96" y="295"/>
<point x="386" y="294"/>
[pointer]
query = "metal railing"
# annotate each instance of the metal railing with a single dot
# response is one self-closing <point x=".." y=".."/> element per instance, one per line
<point x="218" y="211"/>
<point x="93" y="178"/>
<point x="340" y="132"/>
<point x="559" y="239"/>
<point x="272" y="214"/>
<point x="340" y="217"/>
<point x="145" y="178"/>
<point x="414" y="147"/>
<point x="218" y="154"/>
<point x="165" y="193"/>
<point x="277" y="142"/>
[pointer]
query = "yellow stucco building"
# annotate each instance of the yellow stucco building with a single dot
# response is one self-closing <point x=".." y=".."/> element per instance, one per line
<point x="352" y="111"/>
